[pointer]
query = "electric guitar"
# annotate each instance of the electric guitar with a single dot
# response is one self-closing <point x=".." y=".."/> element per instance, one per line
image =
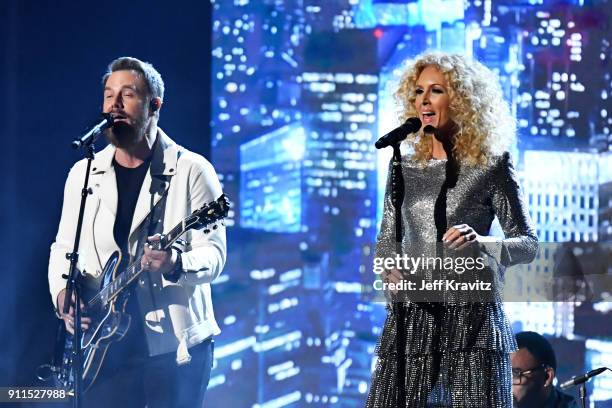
<point x="106" y="306"/>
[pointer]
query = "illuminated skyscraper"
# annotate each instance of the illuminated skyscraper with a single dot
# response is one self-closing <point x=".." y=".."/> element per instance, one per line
<point x="567" y="195"/>
<point x="271" y="173"/>
<point x="560" y="97"/>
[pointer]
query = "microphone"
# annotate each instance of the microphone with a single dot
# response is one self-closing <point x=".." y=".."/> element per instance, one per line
<point x="579" y="379"/>
<point x="91" y="136"/>
<point x="398" y="134"/>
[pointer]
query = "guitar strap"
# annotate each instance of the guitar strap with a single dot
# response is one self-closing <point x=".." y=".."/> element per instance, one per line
<point x="153" y="224"/>
<point x="149" y="287"/>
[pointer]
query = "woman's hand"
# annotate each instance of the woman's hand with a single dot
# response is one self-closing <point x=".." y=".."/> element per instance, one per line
<point x="460" y="236"/>
<point x="392" y="276"/>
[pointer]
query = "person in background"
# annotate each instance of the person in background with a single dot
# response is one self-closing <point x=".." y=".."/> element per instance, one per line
<point x="533" y="371"/>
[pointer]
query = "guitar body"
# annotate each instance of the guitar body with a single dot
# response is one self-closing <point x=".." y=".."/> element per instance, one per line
<point x="109" y="324"/>
<point x="106" y="304"/>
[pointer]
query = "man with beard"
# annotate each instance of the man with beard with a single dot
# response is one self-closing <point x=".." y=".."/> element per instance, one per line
<point x="142" y="184"/>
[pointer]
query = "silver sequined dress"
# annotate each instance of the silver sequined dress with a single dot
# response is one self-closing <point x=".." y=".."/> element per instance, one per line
<point x="459" y="355"/>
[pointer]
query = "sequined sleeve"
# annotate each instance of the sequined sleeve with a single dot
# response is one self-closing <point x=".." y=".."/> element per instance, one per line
<point x="520" y="243"/>
<point x="385" y="241"/>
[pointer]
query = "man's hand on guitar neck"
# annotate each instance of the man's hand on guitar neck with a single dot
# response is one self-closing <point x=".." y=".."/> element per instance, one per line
<point x="69" y="317"/>
<point x="157" y="261"/>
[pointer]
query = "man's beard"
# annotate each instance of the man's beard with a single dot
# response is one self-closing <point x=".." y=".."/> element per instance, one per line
<point x="125" y="135"/>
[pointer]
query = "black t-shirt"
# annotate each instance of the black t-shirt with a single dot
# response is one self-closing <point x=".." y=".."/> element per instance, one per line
<point x="558" y="399"/>
<point x="129" y="183"/>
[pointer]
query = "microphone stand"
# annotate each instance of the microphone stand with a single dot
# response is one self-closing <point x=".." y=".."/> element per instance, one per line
<point x="397" y="198"/>
<point x="72" y="285"/>
<point x="582" y="393"/>
<point x="582" y="381"/>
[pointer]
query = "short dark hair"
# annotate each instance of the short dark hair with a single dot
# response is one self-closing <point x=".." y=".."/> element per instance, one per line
<point x="150" y="75"/>
<point x="538" y="346"/>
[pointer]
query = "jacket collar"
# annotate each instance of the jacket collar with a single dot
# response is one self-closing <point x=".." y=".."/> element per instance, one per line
<point x="156" y="182"/>
<point x="163" y="161"/>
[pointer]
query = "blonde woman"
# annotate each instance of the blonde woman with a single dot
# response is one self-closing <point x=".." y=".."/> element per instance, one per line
<point x="458" y="178"/>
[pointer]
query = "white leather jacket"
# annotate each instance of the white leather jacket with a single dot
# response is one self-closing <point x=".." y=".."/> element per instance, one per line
<point x="176" y="315"/>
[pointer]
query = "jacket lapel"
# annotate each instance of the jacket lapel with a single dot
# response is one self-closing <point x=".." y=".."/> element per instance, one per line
<point x="157" y="179"/>
<point x="103" y="179"/>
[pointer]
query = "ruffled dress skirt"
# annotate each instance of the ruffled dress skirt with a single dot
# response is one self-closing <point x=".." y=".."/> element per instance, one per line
<point x="456" y="356"/>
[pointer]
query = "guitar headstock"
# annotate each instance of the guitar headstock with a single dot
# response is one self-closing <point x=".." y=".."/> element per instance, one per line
<point x="199" y="219"/>
<point x="209" y="214"/>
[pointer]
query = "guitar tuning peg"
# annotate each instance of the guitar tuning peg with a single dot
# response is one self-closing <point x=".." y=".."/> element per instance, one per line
<point x="206" y="231"/>
<point x="215" y="226"/>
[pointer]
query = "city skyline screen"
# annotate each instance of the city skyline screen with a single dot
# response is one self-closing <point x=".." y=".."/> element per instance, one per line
<point x="301" y="90"/>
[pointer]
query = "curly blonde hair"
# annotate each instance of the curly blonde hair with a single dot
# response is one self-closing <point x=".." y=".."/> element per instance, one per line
<point x="486" y="127"/>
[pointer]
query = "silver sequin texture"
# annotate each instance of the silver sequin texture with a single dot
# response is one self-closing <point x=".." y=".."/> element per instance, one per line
<point x="458" y="355"/>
